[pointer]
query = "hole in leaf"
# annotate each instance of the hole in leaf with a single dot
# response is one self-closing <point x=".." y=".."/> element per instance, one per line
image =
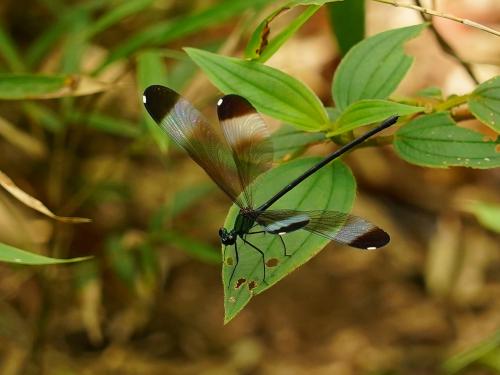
<point x="240" y="282"/>
<point x="252" y="285"/>
<point x="229" y="261"/>
<point x="273" y="262"/>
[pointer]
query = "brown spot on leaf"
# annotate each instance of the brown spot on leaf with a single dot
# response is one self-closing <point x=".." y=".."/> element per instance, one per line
<point x="273" y="262"/>
<point x="229" y="261"/>
<point x="497" y="148"/>
<point x="251" y="285"/>
<point x="239" y="283"/>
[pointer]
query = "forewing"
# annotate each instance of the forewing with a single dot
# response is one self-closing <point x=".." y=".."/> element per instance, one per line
<point x="337" y="226"/>
<point x="248" y="137"/>
<point x="187" y="127"/>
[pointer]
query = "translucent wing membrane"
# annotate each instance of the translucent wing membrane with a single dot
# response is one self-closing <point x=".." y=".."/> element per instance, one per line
<point x="187" y="127"/>
<point x="337" y="226"/>
<point x="248" y="137"/>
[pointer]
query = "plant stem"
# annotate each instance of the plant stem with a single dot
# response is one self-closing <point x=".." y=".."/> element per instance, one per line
<point x="453" y="101"/>
<point x="435" y="13"/>
<point x="447" y="48"/>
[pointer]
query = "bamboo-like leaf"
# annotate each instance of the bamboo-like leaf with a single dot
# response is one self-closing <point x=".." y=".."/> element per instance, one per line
<point x="31" y="86"/>
<point x="34" y="203"/>
<point x="12" y="254"/>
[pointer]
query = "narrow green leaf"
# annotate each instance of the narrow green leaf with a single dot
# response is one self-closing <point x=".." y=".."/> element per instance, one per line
<point x="484" y="103"/>
<point x="436" y="141"/>
<point x="374" y="67"/>
<point x="311" y="2"/>
<point x="271" y="91"/>
<point x="46" y="40"/>
<point x="333" y="188"/>
<point x="280" y="39"/>
<point x="488" y="214"/>
<point x="151" y="70"/>
<point x="12" y="254"/>
<point x="461" y="360"/>
<point x="32" y="86"/>
<point x="165" y="32"/>
<point x="9" y="53"/>
<point x="197" y="249"/>
<point x="107" y="124"/>
<point x="431" y="92"/>
<point x="43" y="115"/>
<point x="115" y="15"/>
<point x="348" y="22"/>
<point x="75" y="42"/>
<point x="368" y="111"/>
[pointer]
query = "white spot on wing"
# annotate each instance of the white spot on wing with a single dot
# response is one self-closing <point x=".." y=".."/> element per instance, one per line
<point x="371" y="248"/>
<point x="144" y="99"/>
<point x="219" y="102"/>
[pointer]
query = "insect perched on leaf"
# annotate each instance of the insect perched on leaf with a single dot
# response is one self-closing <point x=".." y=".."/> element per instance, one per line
<point x="245" y="153"/>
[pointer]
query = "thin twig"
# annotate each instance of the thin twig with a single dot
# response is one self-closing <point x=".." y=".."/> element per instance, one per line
<point x="446" y="47"/>
<point x="435" y="13"/>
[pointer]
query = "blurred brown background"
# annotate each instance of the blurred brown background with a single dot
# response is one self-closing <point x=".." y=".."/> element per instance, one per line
<point x="146" y="305"/>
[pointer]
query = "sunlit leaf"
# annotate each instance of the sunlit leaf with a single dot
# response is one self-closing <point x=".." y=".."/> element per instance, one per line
<point x="332" y="188"/>
<point x="368" y="111"/>
<point x="374" y="67"/>
<point x="271" y="91"/>
<point x="12" y="254"/>
<point x="436" y="141"/>
<point x="484" y="103"/>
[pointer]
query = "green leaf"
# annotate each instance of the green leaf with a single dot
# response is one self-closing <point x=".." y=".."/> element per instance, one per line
<point x="115" y="15"/>
<point x="165" y="32"/>
<point x="311" y="2"/>
<point x="431" y="92"/>
<point x="107" y="124"/>
<point x="333" y="188"/>
<point x="43" y="115"/>
<point x="271" y="91"/>
<point x="260" y="48"/>
<point x="488" y="214"/>
<point x="289" y="142"/>
<point x="31" y="86"/>
<point x="461" y="360"/>
<point x="374" y="67"/>
<point x="368" y="111"/>
<point x="484" y="103"/>
<point x="9" y="53"/>
<point x="151" y="70"/>
<point x="436" y="141"/>
<point x="75" y="42"/>
<point x="348" y="22"/>
<point x="12" y="254"/>
<point x="197" y="249"/>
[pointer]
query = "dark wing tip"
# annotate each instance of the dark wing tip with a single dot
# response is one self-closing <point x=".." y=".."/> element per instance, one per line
<point x="232" y="106"/>
<point x="159" y="100"/>
<point x="371" y="240"/>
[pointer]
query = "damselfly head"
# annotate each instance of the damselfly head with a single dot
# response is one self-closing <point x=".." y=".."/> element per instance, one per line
<point x="227" y="237"/>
